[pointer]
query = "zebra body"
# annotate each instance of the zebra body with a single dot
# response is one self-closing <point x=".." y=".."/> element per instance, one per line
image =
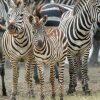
<point x="53" y="13"/>
<point x="77" y="29"/>
<point x="49" y="47"/>
<point x="17" y="45"/>
<point x="67" y="2"/>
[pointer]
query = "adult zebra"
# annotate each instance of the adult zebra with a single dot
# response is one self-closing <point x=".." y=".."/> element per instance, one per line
<point x="49" y="47"/>
<point x="77" y="29"/>
<point x="17" y="45"/>
<point x="3" y="17"/>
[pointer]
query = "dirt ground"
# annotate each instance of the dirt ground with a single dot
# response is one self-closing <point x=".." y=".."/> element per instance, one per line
<point x="94" y="83"/>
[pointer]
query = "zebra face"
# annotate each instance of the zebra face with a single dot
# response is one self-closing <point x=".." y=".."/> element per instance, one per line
<point x="17" y="13"/>
<point x="15" y="21"/>
<point x="38" y="29"/>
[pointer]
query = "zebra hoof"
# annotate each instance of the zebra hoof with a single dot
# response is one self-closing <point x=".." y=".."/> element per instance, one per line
<point x="42" y="96"/>
<point x="31" y="94"/>
<point x="4" y="93"/>
<point x="88" y="92"/>
<point x="61" y="97"/>
<point x="53" y="97"/>
<point x="71" y="92"/>
<point x="37" y="81"/>
<point x="13" y="97"/>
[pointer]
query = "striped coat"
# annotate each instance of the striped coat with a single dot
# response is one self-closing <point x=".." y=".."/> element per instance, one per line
<point x="49" y="47"/>
<point x="77" y="29"/>
<point x="17" y="44"/>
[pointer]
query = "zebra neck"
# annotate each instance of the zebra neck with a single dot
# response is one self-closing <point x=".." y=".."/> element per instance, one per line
<point x="23" y="39"/>
<point x="78" y="7"/>
<point x="83" y="22"/>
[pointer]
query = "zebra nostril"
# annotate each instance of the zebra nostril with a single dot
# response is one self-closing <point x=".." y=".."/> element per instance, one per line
<point x="11" y="26"/>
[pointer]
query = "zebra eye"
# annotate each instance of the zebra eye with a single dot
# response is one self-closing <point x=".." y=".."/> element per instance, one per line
<point x="21" y="15"/>
<point x="8" y="15"/>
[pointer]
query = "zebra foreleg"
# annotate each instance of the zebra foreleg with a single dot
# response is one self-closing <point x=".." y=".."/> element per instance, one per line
<point x="84" y="71"/>
<point x="52" y="81"/>
<point x="40" y="67"/>
<point x="61" y="77"/>
<point x="15" y="69"/>
<point x="29" y="77"/>
<point x="72" y="73"/>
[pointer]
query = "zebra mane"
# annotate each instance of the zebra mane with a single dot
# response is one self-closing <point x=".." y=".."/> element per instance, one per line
<point x="38" y="11"/>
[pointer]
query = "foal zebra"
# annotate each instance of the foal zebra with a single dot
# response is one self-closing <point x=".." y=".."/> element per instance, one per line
<point x="17" y="45"/>
<point x="49" y="47"/>
<point x="77" y="29"/>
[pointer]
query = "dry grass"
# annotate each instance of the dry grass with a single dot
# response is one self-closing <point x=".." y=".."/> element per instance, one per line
<point x="94" y="84"/>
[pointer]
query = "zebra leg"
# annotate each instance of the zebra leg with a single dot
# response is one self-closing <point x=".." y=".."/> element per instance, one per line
<point x="4" y="93"/>
<point x="56" y="70"/>
<point x="41" y="81"/>
<point x="94" y="57"/>
<point x="36" y="78"/>
<point x="52" y="80"/>
<point x="61" y="78"/>
<point x="15" y="69"/>
<point x="29" y="76"/>
<point x="72" y="73"/>
<point x="84" y="71"/>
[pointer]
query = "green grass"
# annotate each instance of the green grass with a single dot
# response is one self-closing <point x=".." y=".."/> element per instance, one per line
<point x="95" y="96"/>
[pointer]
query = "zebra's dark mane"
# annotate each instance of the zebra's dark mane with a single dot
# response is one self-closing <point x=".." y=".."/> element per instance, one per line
<point x="38" y="11"/>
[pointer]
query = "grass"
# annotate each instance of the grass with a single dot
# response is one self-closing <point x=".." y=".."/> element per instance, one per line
<point x="95" y="96"/>
<point x="94" y="85"/>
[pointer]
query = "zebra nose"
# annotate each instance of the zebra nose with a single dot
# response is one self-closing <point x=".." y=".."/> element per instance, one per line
<point x="11" y="26"/>
<point x="11" y="21"/>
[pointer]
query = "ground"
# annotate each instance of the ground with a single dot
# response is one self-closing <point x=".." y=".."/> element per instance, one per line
<point x="94" y="84"/>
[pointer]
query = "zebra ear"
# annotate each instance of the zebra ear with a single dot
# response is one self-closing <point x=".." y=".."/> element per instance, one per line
<point x="18" y="3"/>
<point x="92" y="1"/>
<point x="26" y="2"/>
<point x="30" y="19"/>
<point x="11" y="3"/>
<point x="43" y="20"/>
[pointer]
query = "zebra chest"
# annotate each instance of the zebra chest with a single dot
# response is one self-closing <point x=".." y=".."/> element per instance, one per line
<point x="76" y="44"/>
<point x="18" y="50"/>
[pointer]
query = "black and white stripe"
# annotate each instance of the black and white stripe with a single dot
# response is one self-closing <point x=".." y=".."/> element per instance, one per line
<point x="17" y="43"/>
<point x="49" y="47"/>
<point x="67" y="2"/>
<point x="77" y="29"/>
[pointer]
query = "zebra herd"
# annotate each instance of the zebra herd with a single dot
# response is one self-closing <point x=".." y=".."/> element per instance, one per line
<point x="34" y="35"/>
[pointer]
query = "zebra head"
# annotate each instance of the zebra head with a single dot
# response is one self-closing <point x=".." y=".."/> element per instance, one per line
<point x="95" y="9"/>
<point x="16" y="17"/>
<point x="38" y="29"/>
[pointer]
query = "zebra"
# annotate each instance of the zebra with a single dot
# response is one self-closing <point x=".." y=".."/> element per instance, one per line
<point x="49" y="47"/>
<point x="67" y="2"/>
<point x="3" y="16"/>
<point x="51" y="9"/>
<point x="77" y="29"/>
<point x="17" y="43"/>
